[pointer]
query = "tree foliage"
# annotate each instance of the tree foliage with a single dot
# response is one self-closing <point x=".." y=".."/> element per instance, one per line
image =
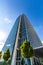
<point x="26" y="50"/>
<point x="6" y="55"/>
<point x="0" y="54"/>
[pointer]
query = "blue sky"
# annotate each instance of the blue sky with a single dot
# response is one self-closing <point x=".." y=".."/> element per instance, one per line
<point x="11" y="9"/>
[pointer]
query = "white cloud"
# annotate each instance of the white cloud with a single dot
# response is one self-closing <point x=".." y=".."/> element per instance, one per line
<point x="2" y="39"/>
<point x="42" y="42"/>
<point x="2" y="35"/>
<point x="7" y="20"/>
<point x="1" y="45"/>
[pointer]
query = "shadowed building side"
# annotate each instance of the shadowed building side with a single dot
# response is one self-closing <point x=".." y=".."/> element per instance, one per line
<point x="31" y="34"/>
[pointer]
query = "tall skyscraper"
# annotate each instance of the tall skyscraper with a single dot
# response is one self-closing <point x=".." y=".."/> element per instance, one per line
<point x="22" y="30"/>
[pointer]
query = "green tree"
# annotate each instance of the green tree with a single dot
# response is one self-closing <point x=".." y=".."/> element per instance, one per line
<point x="26" y="50"/>
<point x="0" y="54"/>
<point x="6" y="55"/>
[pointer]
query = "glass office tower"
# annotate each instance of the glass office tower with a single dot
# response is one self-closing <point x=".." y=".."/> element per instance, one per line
<point x="21" y="31"/>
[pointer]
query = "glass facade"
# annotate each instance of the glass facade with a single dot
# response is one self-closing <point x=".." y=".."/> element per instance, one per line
<point x="23" y="32"/>
<point x="12" y="37"/>
<point x="31" y="34"/>
<point x="18" y="34"/>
